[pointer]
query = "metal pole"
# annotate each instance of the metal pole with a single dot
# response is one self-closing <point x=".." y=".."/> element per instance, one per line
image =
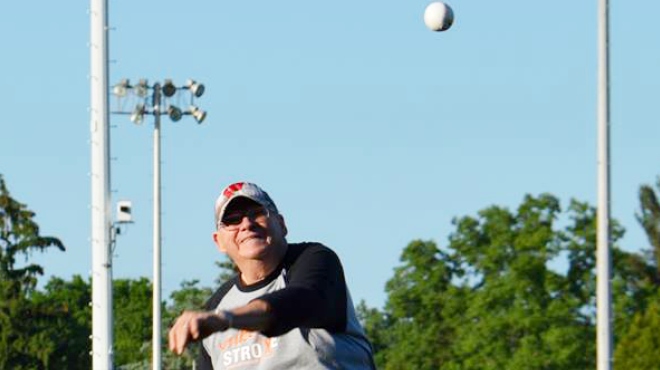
<point x="100" y="189"/>
<point x="603" y="254"/>
<point x="156" y="339"/>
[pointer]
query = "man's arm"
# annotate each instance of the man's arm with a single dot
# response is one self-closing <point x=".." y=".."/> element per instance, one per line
<point x="315" y="296"/>
<point x="193" y="326"/>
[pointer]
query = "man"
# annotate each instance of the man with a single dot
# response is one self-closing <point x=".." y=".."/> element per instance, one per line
<point x="287" y="308"/>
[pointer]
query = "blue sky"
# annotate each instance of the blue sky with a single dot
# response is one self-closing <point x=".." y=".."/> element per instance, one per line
<point x="367" y="129"/>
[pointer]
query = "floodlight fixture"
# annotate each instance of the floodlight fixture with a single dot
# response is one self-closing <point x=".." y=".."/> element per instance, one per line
<point x="142" y="88"/>
<point x="174" y="112"/>
<point x="138" y="114"/>
<point x="168" y="88"/>
<point x="121" y="89"/>
<point x="196" y="88"/>
<point x="197" y="113"/>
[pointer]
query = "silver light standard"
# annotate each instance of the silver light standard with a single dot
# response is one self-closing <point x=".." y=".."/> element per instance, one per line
<point x="603" y="254"/>
<point x="101" y="350"/>
<point x="159" y="105"/>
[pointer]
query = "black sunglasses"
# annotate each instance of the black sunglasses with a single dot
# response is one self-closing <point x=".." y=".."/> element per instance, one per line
<point x="236" y="217"/>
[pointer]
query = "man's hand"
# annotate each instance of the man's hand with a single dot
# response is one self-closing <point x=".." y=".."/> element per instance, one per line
<point x="192" y="326"/>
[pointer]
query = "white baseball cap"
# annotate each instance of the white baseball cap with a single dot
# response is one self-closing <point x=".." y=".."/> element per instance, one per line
<point x="245" y="190"/>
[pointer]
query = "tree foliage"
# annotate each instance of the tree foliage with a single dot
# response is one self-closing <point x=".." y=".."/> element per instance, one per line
<point x="189" y="297"/>
<point x="19" y="236"/>
<point x="649" y="219"/>
<point x="21" y="346"/>
<point x="639" y="329"/>
<point x="63" y="325"/>
<point x="639" y="347"/>
<point x="512" y="290"/>
<point x="132" y="306"/>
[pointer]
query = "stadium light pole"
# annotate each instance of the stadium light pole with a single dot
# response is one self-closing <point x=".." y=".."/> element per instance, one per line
<point x="100" y="189"/>
<point x="604" y="339"/>
<point x="157" y="104"/>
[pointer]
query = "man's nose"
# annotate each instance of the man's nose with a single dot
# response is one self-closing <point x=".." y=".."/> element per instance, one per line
<point x="246" y="222"/>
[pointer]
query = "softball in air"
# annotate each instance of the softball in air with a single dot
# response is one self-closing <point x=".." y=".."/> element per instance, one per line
<point x="438" y="16"/>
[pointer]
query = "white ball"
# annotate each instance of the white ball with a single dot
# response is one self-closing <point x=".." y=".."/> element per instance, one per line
<point x="438" y="16"/>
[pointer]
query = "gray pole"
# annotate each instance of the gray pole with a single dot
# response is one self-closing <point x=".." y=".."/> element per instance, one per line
<point x="603" y="254"/>
<point x="100" y="189"/>
<point x="156" y="337"/>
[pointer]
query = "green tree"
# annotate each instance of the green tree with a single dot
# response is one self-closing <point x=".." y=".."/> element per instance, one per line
<point x="494" y="298"/>
<point x="519" y="312"/>
<point x="65" y="322"/>
<point x="132" y="322"/>
<point x="422" y="324"/>
<point x="649" y="219"/>
<point x="377" y="326"/>
<point x="19" y="236"/>
<point x="639" y="349"/>
<point x="188" y="297"/>
<point x="637" y="324"/>
<point x="20" y="346"/>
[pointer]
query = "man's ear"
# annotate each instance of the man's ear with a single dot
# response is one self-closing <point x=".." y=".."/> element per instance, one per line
<point x="218" y="242"/>
<point x="283" y="225"/>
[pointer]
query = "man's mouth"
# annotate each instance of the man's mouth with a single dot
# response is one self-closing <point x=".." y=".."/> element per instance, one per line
<point x="250" y="238"/>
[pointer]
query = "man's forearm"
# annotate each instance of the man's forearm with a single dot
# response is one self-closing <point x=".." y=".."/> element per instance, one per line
<point x="254" y="316"/>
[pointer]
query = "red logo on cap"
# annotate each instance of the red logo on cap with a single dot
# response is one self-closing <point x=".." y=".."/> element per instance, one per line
<point x="231" y="189"/>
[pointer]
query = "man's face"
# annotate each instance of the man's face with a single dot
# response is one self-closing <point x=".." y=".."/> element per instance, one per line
<point x="248" y="231"/>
